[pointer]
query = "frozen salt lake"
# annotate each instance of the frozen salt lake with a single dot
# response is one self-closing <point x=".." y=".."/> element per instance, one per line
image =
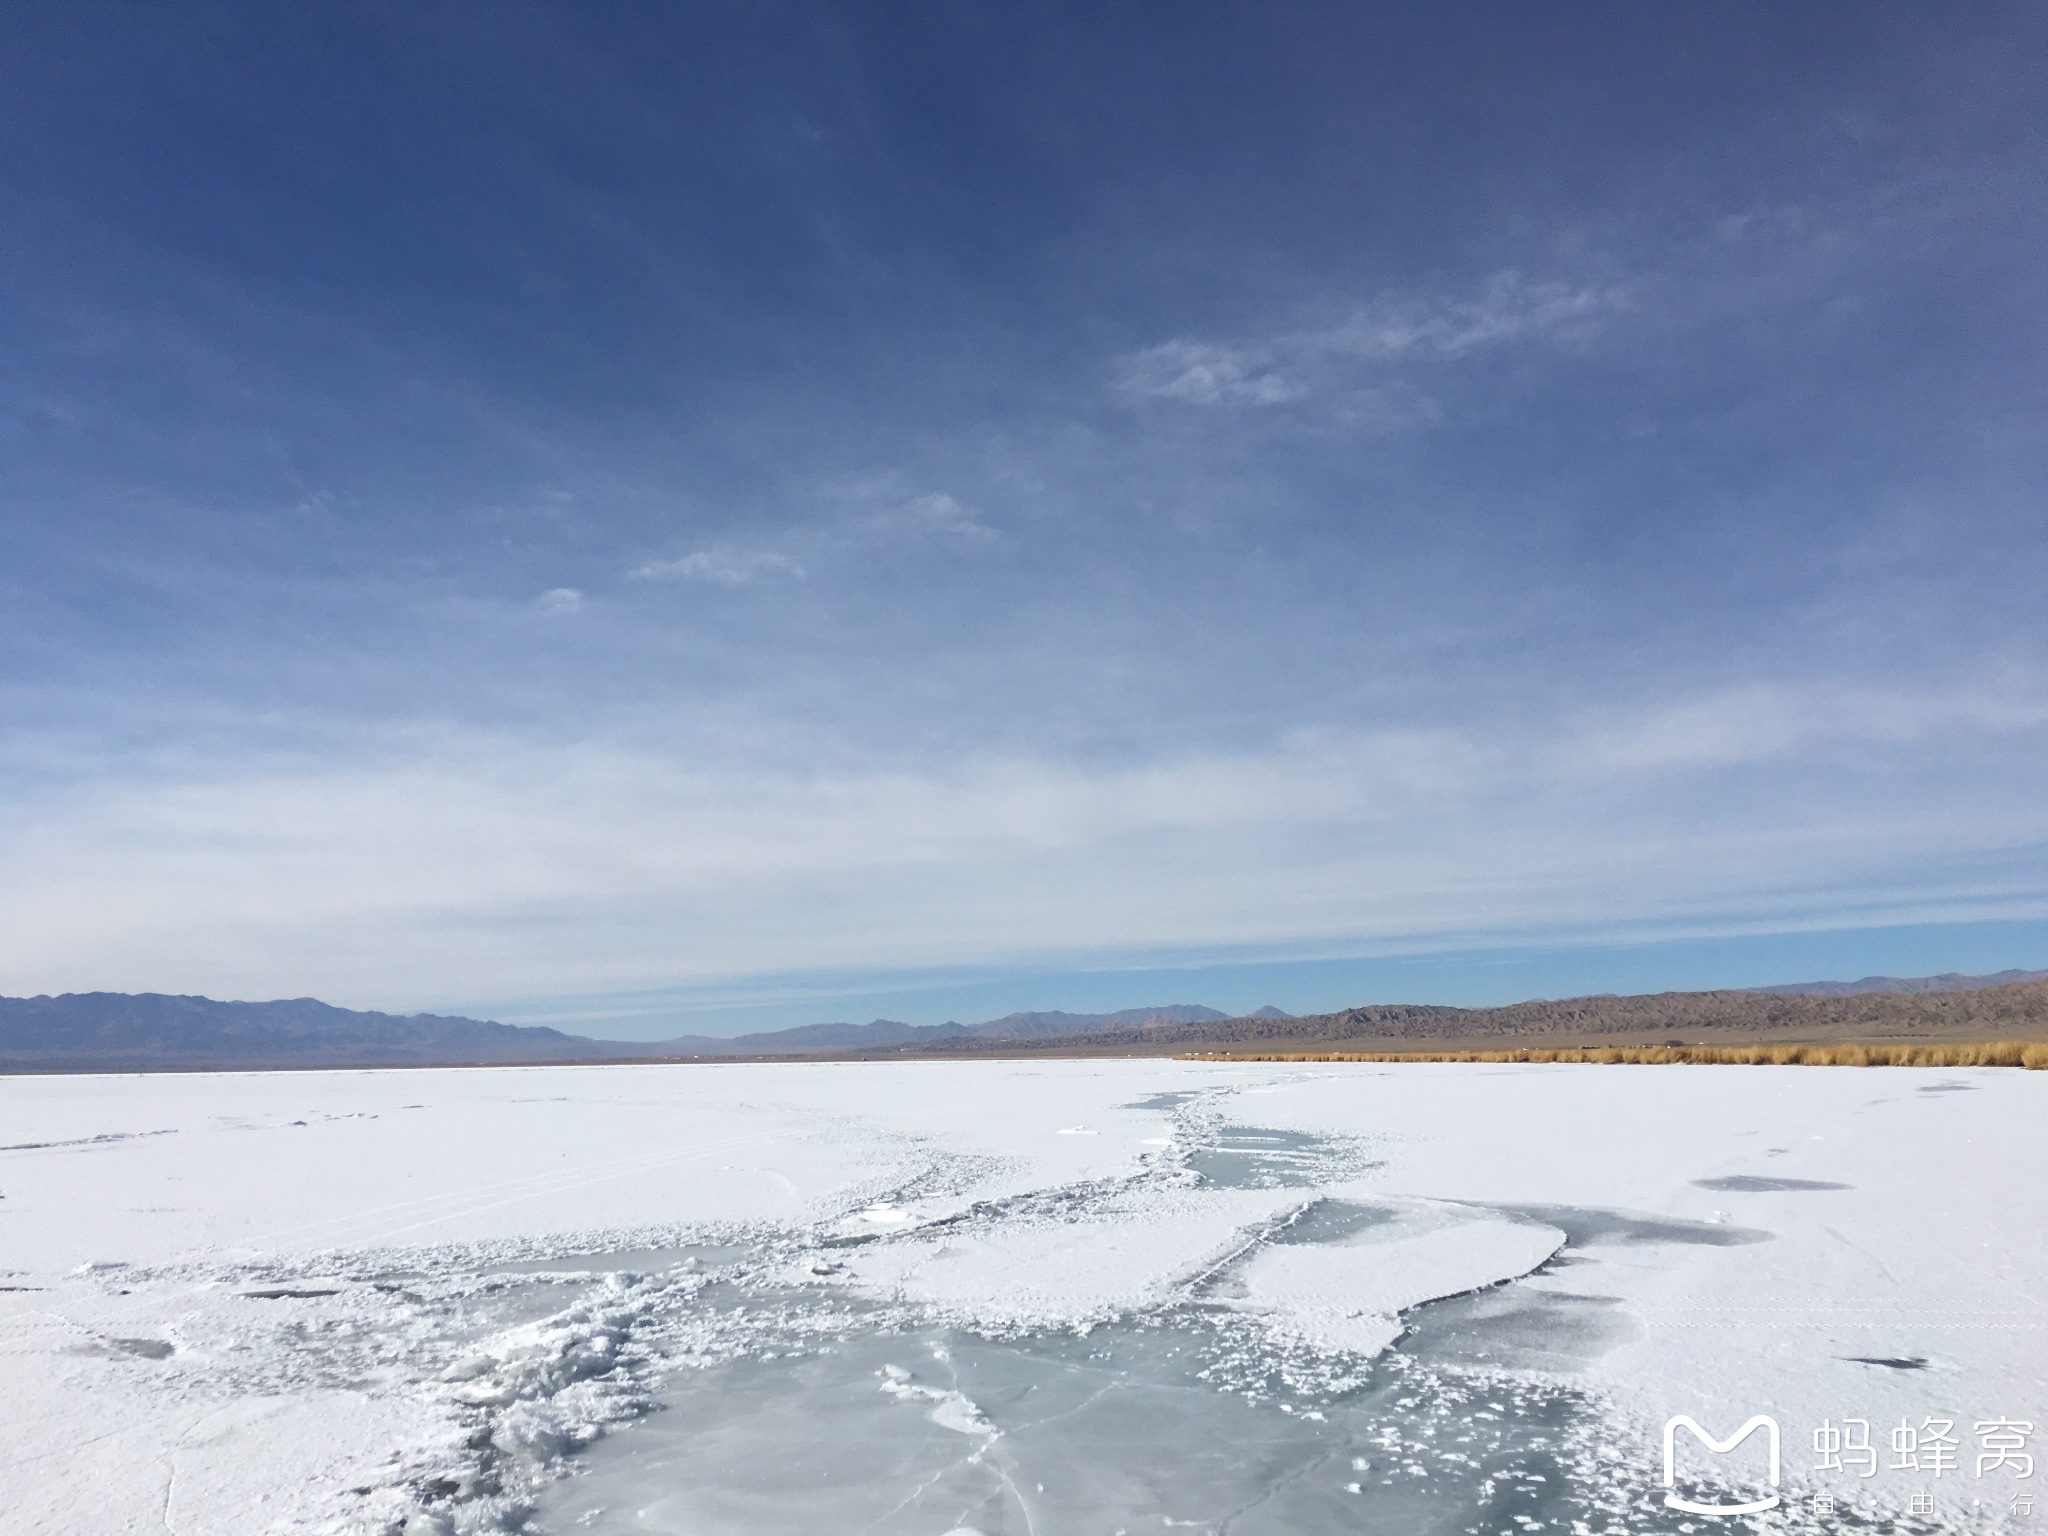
<point x="1048" y="1297"/>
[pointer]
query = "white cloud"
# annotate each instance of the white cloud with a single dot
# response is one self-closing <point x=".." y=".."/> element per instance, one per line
<point x="1765" y="723"/>
<point x="1394" y="328"/>
<point x="1509" y="309"/>
<point x="862" y="510"/>
<point x="1205" y="374"/>
<point x="937" y="514"/>
<point x="560" y="600"/>
<point x="450" y="865"/>
<point x="728" y="568"/>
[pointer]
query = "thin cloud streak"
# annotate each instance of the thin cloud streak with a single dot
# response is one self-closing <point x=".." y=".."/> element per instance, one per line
<point x="1392" y="329"/>
<point x="724" y="567"/>
<point x="1204" y="373"/>
<point x="873" y="512"/>
<point x="1509" y="310"/>
<point x="938" y="515"/>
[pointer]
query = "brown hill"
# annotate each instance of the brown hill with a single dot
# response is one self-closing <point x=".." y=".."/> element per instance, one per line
<point x="1993" y="1013"/>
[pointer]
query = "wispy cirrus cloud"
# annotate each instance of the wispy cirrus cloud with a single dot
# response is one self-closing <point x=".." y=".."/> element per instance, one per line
<point x="1762" y="722"/>
<point x="1204" y="373"/>
<point x="724" y="567"/>
<point x="935" y="514"/>
<point x="1394" y="328"/>
<point x="1509" y="309"/>
<point x="868" y="510"/>
<point x="560" y="600"/>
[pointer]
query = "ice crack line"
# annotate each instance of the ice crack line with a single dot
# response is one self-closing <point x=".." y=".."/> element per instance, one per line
<point x="84" y="1141"/>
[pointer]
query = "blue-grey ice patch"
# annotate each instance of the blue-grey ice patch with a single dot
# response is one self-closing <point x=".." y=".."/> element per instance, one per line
<point x="1149" y="1425"/>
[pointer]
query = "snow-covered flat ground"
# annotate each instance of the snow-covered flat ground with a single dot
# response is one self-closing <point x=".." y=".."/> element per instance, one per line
<point x="1002" y="1297"/>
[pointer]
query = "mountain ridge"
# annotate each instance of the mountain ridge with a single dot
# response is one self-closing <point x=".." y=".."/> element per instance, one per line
<point x="113" y="1031"/>
<point x="1976" y="1014"/>
<point x="1947" y="981"/>
<point x="141" y="1031"/>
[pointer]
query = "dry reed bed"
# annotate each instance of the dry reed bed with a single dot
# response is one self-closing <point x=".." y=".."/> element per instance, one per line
<point x="1998" y="1053"/>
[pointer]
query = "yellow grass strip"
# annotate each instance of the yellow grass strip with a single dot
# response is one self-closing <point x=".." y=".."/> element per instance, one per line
<point x="1998" y="1053"/>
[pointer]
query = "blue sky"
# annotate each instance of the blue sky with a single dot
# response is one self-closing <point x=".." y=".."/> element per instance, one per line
<point x="723" y="516"/>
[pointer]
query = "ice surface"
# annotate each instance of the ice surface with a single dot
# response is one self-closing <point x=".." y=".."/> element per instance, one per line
<point x="1147" y="1425"/>
<point x="1350" y="1293"/>
<point x="1000" y="1297"/>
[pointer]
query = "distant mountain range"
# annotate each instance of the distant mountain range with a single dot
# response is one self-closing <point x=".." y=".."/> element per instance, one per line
<point x="123" y="1032"/>
<point x="1948" y="981"/>
<point x="118" y="1031"/>
<point x="808" y="1038"/>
